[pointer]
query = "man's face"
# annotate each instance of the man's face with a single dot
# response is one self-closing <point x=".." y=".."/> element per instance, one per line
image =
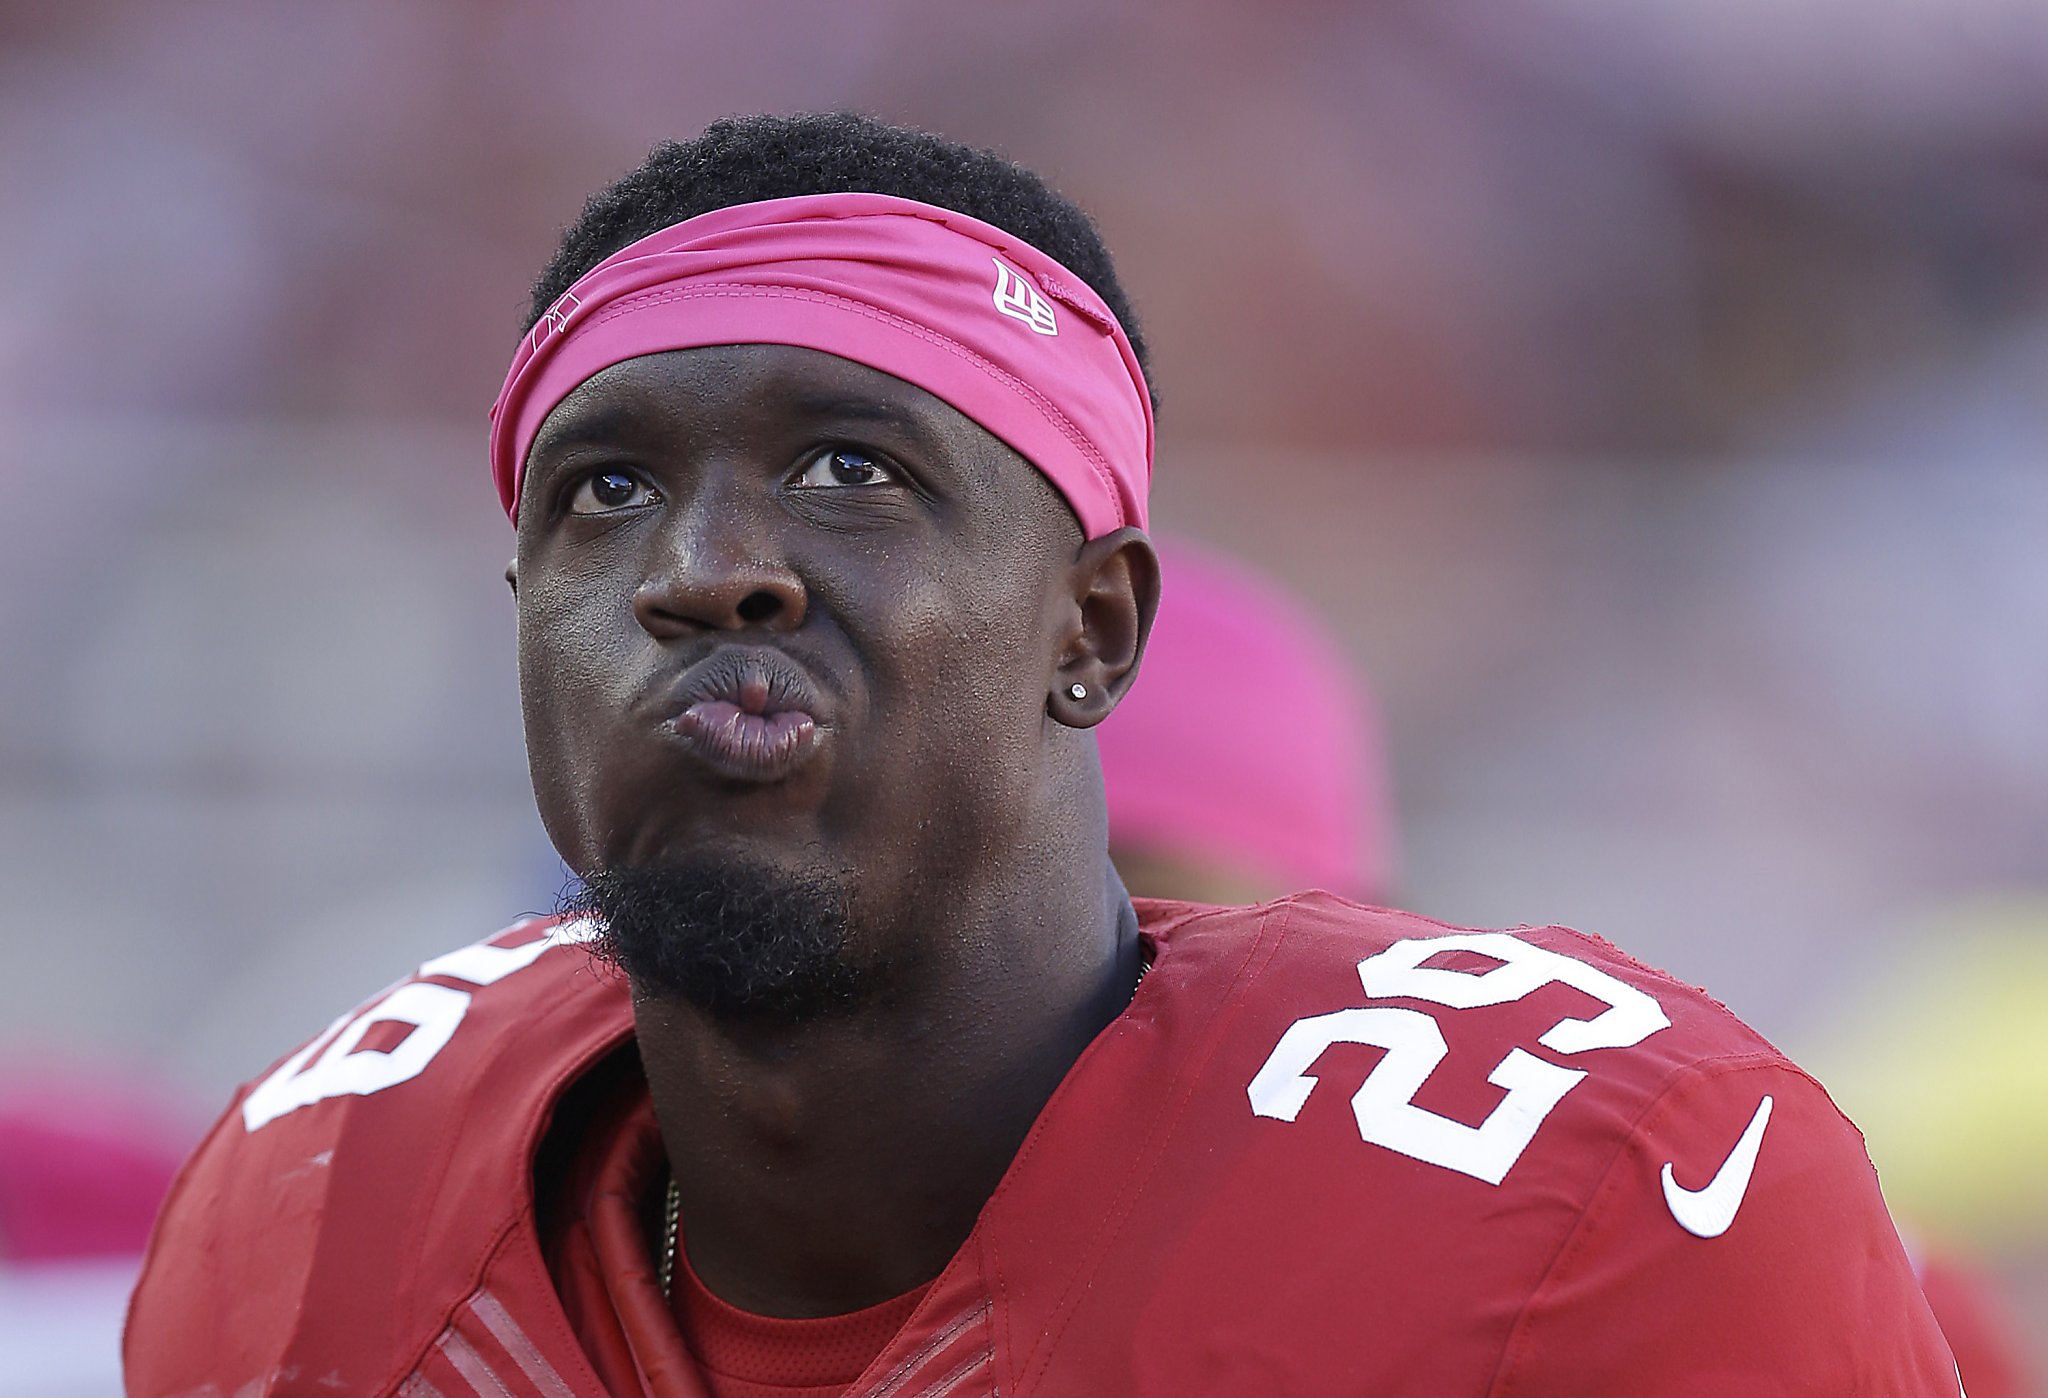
<point x="779" y="607"/>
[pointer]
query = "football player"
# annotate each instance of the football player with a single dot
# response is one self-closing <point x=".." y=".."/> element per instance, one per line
<point x="854" y="1071"/>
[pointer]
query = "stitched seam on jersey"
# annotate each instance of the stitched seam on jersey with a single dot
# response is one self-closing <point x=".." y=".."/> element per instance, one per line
<point x="1158" y="1132"/>
<point x="324" y="1037"/>
<point x="994" y="1266"/>
<point x="507" y="1332"/>
<point x="991" y="1272"/>
<point x="907" y="1370"/>
<point x="441" y="1158"/>
<point x="989" y="1269"/>
<point x="523" y="1237"/>
<point x="468" y="1363"/>
<point x="1513" y="1347"/>
<point x="550" y="1090"/>
<point x="419" y="1386"/>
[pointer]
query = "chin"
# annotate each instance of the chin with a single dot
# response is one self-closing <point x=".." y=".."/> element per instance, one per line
<point x="737" y="937"/>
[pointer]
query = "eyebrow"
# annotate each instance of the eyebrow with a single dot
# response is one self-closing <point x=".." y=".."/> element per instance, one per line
<point x="605" y="424"/>
<point x="596" y="424"/>
<point x="825" y="404"/>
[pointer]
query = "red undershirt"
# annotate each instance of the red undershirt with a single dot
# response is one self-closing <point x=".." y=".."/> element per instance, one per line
<point x="700" y="1347"/>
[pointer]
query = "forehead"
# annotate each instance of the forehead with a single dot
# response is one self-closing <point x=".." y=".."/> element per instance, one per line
<point x="721" y="388"/>
<point x="780" y="399"/>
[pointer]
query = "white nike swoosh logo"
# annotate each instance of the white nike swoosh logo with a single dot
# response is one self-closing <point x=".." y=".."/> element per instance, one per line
<point x="1706" y="1213"/>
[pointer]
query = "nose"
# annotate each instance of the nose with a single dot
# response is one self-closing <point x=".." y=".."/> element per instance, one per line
<point x="717" y="571"/>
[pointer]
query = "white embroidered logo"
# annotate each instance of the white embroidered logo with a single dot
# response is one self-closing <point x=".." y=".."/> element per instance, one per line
<point x="1707" y="1212"/>
<point x="555" y="318"/>
<point x="1018" y="299"/>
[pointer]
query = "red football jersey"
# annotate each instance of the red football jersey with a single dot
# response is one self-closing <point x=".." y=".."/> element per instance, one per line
<point x="1327" y="1150"/>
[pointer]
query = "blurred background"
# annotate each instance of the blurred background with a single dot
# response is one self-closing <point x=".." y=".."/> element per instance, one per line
<point x="1650" y="397"/>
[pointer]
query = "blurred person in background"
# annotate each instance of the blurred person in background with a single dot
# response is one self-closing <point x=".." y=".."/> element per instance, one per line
<point x="1213" y="811"/>
<point x="1208" y="806"/>
<point x="828" y="450"/>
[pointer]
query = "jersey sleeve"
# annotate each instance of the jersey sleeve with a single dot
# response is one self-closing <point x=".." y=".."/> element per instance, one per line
<point x="1737" y="1243"/>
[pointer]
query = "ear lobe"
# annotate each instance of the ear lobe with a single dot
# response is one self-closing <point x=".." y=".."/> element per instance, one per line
<point x="1115" y="588"/>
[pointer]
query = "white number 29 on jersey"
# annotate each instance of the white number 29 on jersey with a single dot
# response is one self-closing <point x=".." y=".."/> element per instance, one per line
<point x="336" y="1064"/>
<point x="1384" y="1104"/>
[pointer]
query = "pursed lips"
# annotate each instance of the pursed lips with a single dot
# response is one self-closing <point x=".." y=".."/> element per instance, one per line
<point x="748" y="713"/>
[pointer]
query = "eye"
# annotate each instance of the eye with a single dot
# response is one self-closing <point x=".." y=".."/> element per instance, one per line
<point x="604" y="491"/>
<point x="843" y="466"/>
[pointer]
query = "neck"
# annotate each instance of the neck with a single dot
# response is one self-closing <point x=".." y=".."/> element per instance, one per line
<point x="831" y="1165"/>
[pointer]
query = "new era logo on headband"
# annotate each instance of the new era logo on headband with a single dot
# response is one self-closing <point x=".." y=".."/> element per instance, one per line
<point x="555" y="318"/>
<point x="1018" y="299"/>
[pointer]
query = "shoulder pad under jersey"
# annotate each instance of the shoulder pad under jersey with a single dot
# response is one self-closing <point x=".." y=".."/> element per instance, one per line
<point x="349" y="1198"/>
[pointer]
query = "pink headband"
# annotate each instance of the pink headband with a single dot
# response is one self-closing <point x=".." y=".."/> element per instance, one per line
<point x="961" y="309"/>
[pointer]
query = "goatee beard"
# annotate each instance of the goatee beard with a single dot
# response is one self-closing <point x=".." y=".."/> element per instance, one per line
<point x="739" y="941"/>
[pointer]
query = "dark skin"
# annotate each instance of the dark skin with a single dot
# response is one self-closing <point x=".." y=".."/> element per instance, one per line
<point x="938" y="598"/>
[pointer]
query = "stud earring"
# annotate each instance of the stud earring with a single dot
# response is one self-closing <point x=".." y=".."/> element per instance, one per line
<point x="1078" y="691"/>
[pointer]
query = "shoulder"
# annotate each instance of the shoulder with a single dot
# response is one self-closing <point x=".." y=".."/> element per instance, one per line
<point x="367" y="1174"/>
<point x="498" y="1012"/>
<point x="1486" y="1053"/>
<point x="1559" y="994"/>
<point x="1605" y="1148"/>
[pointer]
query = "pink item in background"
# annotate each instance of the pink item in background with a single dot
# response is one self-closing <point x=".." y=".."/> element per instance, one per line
<point x="1246" y="738"/>
<point x="83" y="1167"/>
<point x="960" y="309"/>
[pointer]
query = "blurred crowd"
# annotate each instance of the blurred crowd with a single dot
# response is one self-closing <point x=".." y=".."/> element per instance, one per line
<point x="1646" y="400"/>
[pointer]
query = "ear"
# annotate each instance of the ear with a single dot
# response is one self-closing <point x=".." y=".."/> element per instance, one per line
<point x="512" y="576"/>
<point x="1114" y="584"/>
